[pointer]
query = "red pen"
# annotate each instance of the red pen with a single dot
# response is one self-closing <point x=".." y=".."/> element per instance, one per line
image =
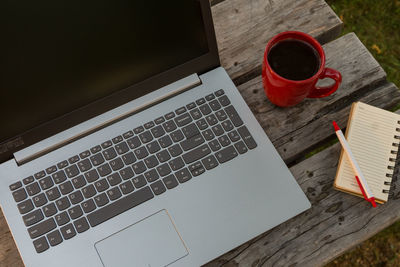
<point x="362" y="183"/>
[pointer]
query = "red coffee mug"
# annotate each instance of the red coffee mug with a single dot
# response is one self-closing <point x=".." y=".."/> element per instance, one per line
<point x="283" y="92"/>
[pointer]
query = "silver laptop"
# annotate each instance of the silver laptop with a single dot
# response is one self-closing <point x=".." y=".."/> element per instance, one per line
<point x="123" y="141"/>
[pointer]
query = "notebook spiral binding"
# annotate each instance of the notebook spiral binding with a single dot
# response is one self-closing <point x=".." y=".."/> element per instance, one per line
<point x="395" y="168"/>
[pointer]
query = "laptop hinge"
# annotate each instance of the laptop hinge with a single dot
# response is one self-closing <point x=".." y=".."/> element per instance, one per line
<point x="68" y="136"/>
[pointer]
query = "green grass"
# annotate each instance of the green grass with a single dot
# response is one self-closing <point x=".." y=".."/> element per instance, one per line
<point x="377" y="25"/>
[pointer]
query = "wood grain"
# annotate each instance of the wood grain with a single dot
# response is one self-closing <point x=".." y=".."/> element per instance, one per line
<point x="243" y="28"/>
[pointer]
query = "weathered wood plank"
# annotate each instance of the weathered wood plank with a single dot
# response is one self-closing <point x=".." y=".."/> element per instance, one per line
<point x="297" y="129"/>
<point x="243" y="28"/>
<point x="330" y="227"/>
<point x="9" y="255"/>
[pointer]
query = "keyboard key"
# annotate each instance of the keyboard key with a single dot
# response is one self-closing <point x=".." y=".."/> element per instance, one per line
<point x="116" y="164"/>
<point x="177" y="135"/>
<point x="191" y="105"/>
<point x="208" y="134"/>
<point x="95" y="149"/>
<point x="32" y="189"/>
<point x="75" y="212"/>
<point x="163" y="156"/>
<point x="224" y="140"/>
<point x="202" y="124"/>
<point x="128" y="134"/>
<point x="46" y="183"/>
<point x="109" y="153"/>
<point x="25" y="206"/>
<point x="114" y="193"/>
<point x="159" y="120"/>
<point x="41" y="228"/>
<point x="234" y="136"/>
<point x="210" y="97"/>
<point x="71" y="171"/>
<point x="84" y="165"/>
<point x="211" y="119"/>
<point x="247" y="138"/>
<point x="104" y="170"/>
<point x="79" y="181"/>
<point x="205" y="109"/>
<point x="196" y="154"/>
<point x="59" y="177"/>
<point x="129" y="158"/>
<point x="157" y="131"/>
<point x="126" y="187"/>
<point x="62" y="218"/>
<point x="41" y="244"/>
<point x="73" y="159"/>
<point x="62" y="164"/>
<point x="20" y="194"/>
<point x="169" y="116"/>
<point x="224" y="100"/>
<point x="227" y="125"/>
<point x="215" y="105"/>
<point x="76" y="197"/>
<point x="53" y="194"/>
<point x="196" y="169"/>
<point x="28" y="180"/>
<point x="33" y="217"/>
<point x="200" y="101"/>
<point x="139" y="181"/>
<point x="241" y="147"/>
<point x="97" y="159"/>
<point x="210" y="162"/>
<point x="182" y="120"/>
<point x="151" y="175"/>
<point x="68" y="231"/>
<point x="183" y="175"/>
<point x="89" y="191"/>
<point x="114" y="179"/>
<point x="81" y="225"/>
<point x="151" y="161"/>
<point x="134" y="142"/>
<point x="15" y="186"/>
<point x="39" y="200"/>
<point x="106" y="144"/>
<point x="117" y="139"/>
<point x="192" y="142"/>
<point x="196" y="114"/>
<point x="119" y="206"/>
<point x="164" y="169"/>
<point x="141" y="152"/>
<point x="88" y="206"/>
<point x="176" y="164"/>
<point x="165" y="141"/>
<point x="170" y="181"/>
<point x="122" y="148"/>
<point x="66" y="188"/>
<point x="39" y="175"/>
<point x="84" y="154"/>
<point x="126" y="173"/>
<point x="219" y="92"/>
<point x="101" y="200"/>
<point x="138" y="130"/>
<point x="158" y="188"/>
<point x="139" y="167"/>
<point x="54" y="238"/>
<point x="175" y="150"/>
<point x="221" y="115"/>
<point x="146" y="137"/>
<point x="190" y="130"/>
<point x="101" y="185"/>
<point x="180" y="110"/>
<point x="51" y="169"/>
<point x="153" y="147"/>
<point x="226" y="154"/>
<point x="218" y="130"/>
<point x="49" y="210"/>
<point x="170" y="125"/>
<point x="91" y="176"/>
<point x="234" y="116"/>
<point x="214" y="145"/>
<point x="63" y="203"/>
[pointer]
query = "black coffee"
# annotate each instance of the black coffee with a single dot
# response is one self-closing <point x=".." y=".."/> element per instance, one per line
<point x="294" y="59"/>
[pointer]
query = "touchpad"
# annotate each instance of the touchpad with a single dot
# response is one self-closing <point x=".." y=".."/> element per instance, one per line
<point x="153" y="242"/>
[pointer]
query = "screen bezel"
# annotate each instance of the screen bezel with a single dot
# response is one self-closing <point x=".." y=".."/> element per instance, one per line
<point x="197" y="65"/>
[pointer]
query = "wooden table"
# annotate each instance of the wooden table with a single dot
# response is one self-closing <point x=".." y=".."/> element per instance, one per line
<point x="337" y="221"/>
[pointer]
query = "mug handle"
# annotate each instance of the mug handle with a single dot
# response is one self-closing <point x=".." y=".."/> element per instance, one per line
<point x="319" y="92"/>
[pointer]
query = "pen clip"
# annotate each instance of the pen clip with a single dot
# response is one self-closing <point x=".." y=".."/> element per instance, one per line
<point x="372" y="199"/>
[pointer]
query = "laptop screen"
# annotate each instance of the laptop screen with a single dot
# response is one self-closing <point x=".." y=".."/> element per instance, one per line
<point x="58" y="56"/>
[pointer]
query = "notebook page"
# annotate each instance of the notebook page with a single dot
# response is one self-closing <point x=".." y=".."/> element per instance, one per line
<point x="370" y="136"/>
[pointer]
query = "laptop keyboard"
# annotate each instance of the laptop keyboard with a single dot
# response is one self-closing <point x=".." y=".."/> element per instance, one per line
<point x="88" y="189"/>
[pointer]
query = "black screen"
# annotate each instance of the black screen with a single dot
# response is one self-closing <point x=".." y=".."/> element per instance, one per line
<point x="59" y="55"/>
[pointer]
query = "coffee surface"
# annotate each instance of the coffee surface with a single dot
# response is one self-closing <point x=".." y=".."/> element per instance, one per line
<point x="294" y="59"/>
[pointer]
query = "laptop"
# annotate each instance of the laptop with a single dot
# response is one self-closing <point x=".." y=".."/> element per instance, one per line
<point x="124" y="142"/>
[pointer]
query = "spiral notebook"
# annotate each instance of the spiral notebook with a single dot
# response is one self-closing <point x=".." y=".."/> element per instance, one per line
<point x="373" y="135"/>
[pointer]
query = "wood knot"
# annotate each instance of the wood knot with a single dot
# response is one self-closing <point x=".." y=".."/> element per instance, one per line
<point x="310" y="174"/>
<point x="255" y="91"/>
<point x="341" y="218"/>
<point x="321" y="196"/>
<point x="326" y="237"/>
<point x="334" y="207"/>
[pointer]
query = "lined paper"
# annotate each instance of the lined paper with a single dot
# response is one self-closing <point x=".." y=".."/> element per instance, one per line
<point x="370" y="135"/>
